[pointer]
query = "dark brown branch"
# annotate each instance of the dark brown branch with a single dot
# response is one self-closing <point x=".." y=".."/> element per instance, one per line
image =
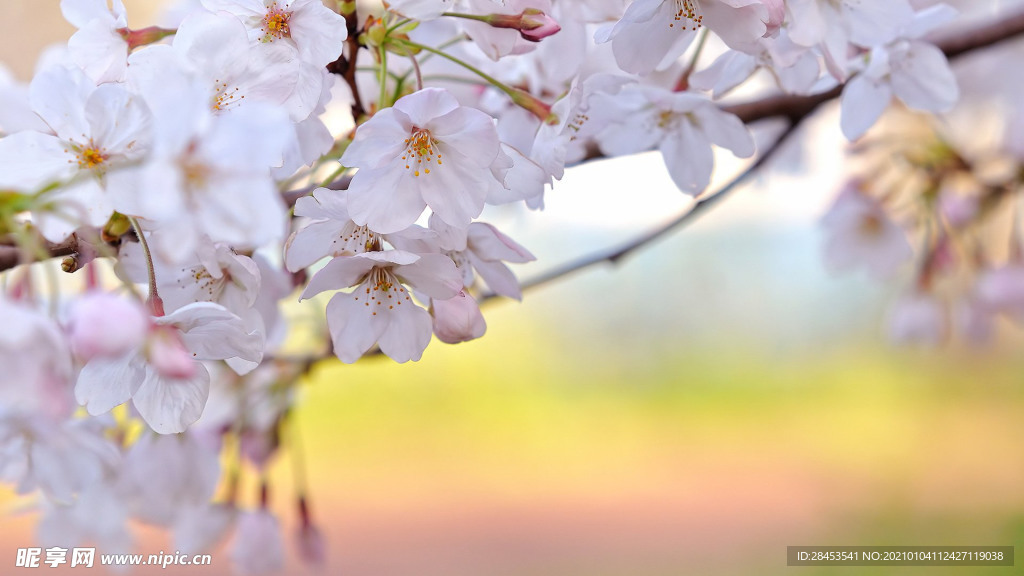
<point x="12" y="255"/>
<point x="345" y="66"/>
<point x="955" y="44"/>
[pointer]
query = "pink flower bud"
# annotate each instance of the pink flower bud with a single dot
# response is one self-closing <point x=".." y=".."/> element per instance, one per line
<point x="537" y="25"/>
<point x="102" y="324"/>
<point x="531" y="103"/>
<point x="458" y="319"/>
<point x="144" y="36"/>
<point x="533" y="24"/>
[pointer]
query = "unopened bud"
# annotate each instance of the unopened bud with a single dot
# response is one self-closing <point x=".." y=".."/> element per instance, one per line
<point x="537" y="25"/>
<point x="102" y="324"/>
<point x="144" y="36"/>
<point x="529" y="102"/>
<point x="375" y="34"/>
<point x="117" y="226"/>
<point x="533" y="24"/>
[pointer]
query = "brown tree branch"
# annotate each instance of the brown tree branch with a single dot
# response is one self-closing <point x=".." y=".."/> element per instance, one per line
<point x="345" y="66"/>
<point x="954" y="44"/>
<point x="12" y="255"/>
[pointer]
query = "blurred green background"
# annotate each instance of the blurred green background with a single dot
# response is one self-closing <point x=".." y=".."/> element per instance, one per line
<point x="694" y="411"/>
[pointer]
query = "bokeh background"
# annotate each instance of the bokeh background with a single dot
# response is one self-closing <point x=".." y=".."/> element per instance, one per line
<point x="693" y="410"/>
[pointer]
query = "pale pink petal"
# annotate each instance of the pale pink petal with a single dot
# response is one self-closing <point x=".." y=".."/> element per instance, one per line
<point x="171" y="405"/>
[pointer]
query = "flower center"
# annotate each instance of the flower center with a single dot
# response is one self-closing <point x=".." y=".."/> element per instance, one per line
<point x="667" y="120"/>
<point x="354" y="239"/>
<point x="688" y="15"/>
<point x="420" y="151"/>
<point x="383" y="289"/>
<point x="210" y="288"/>
<point x="577" y="124"/>
<point x="195" y="172"/>
<point x="91" y="156"/>
<point x="225" y="98"/>
<point x="276" y="24"/>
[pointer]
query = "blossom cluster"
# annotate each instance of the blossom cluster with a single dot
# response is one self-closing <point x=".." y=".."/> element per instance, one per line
<point x="246" y="153"/>
<point x="940" y="214"/>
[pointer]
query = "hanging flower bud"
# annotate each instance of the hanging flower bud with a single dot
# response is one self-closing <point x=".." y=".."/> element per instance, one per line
<point x="144" y="36"/>
<point x="533" y="24"/>
<point x="103" y="324"/>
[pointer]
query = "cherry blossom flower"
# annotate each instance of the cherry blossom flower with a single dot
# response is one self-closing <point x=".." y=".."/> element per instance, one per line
<point x="794" y="67"/>
<point x="682" y="125"/>
<point x="162" y="474"/>
<point x="861" y="235"/>
<point x="164" y="377"/>
<point x="314" y="31"/>
<point x="94" y="130"/>
<point x="257" y="546"/>
<point x="653" y="34"/>
<point x="232" y="76"/>
<point x="33" y="350"/>
<point x="380" y="310"/>
<point x="98" y="48"/>
<point x="478" y="250"/>
<point x="216" y="273"/>
<point x="914" y="71"/>
<point x="58" y="457"/>
<point x="557" y="144"/>
<point x="834" y="26"/>
<point x="209" y="174"/>
<point x="427" y="150"/>
<point x="97" y="515"/>
<point x="330" y="232"/>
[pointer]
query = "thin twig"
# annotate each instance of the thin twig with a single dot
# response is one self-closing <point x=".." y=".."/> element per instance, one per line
<point x="345" y="66"/>
<point x="616" y="255"/>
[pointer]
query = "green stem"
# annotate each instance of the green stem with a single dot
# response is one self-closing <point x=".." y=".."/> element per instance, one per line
<point x="398" y="25"/>
<point x="441" y="46"/>
<point x="383" y="79"/>
<point x="490" y="79"/>
<point x="476" y="17"/>
<point x="341" y="170"/>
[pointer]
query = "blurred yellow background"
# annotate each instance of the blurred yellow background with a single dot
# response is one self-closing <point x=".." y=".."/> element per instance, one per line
<point x="694" y="411"/>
